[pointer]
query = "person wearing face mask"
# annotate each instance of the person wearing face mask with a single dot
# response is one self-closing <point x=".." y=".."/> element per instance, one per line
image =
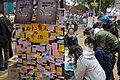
<point x="86" y="66"/>
<point x="70" y="39"/>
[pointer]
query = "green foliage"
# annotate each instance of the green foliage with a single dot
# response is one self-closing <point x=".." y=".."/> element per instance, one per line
<point x="104" y="4"/>
<point x="94" y="5"/>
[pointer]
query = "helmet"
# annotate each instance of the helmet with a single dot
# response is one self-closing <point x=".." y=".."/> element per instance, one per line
<point x="105" y="19"/>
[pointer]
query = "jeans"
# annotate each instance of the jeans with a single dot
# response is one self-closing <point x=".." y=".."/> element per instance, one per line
<point x="4" y="48"/>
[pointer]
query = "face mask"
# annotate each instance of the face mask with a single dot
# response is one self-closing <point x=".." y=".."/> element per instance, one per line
<point x="70" y="35"/>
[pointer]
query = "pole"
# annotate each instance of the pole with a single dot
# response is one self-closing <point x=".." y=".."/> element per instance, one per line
<point x="94" y="13"/>
<point x="99" y="5"/>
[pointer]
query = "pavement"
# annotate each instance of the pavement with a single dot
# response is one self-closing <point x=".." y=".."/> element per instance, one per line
<point x="4" y="74"/>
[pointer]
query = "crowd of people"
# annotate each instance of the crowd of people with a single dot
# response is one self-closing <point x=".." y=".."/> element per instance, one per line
<point x="97" y="60"/>
<point x="6" y="52"/>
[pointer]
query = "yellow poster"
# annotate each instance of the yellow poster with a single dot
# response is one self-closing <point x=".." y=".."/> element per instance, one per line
<point x="36" y="33"/>
<point x="59" y="31"/>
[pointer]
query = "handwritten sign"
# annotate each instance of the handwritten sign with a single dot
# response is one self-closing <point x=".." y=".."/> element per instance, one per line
<point x="39" y="57"/>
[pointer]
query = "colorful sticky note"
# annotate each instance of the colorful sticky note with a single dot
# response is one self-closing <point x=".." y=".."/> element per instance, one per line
<point x="47" y="67"/>
<point x="61" y="47"/>
<point x="59" y="70"/>
<point x="40" y="48"/>
<point x="20" y="41"/>
<point x="24" y="56"/>
<point x="50" y="28"/>
<point x="52" y="66"/>
<point x="25" y="62"/>
<point x="19" y="60"/>
<point x="55" y="48"/>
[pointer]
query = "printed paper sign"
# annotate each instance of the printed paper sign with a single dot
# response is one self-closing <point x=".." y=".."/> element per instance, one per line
<point x="23" y="12"/>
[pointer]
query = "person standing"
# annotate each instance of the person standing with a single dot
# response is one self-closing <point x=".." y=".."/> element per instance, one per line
<point x="107" y="41"/>
<point x="102" y="57"/>
<point x="4" y="44"/>
<point x="86" y="66"/>
<point x="70" y="39"/>
<point x="9" y="29"/>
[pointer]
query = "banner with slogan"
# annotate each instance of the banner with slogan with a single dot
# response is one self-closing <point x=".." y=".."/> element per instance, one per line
<point x="40" y="49"/>
<point x="23" y="12"/>
<point x="47" y="11"/>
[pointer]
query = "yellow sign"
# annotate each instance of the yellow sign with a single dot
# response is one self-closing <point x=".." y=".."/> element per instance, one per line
<point x="36" y="33"/>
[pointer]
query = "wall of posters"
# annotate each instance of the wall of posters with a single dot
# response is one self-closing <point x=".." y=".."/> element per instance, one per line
<point x="23" y="12"/>
<point x="47" y="11"/>
<point x="42" y="57"/>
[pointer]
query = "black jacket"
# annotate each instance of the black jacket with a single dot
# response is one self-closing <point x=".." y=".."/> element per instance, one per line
<point x="70" y="41"/>
<point x="3" y="31"/>
<point x="111" y="27"/>
<point x="104" y="61"/>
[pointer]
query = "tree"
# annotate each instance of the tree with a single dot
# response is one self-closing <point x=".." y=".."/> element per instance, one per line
<point x="103" y="6"/>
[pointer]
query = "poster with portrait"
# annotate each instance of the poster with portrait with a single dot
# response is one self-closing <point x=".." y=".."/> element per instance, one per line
<point x="47" y="11"/>
<point x="23" y="12"/>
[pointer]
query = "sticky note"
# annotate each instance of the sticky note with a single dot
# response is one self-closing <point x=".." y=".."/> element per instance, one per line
<point x="40" y="48"/>
<point x="25" y="62"/>
<point x="22" y="49"/>
<point x="54" y="48"/>
<point x="19" y="60"/>
<point x="61" y="47"/>
<point x="24" y="56"/>
<point x="60" y="41"/>
<point x="29" y="58"/>
<point x="28" y="49"/>
<point x="47" y="67"/>
<point x="37" y="55"/>
<point x="50" y="28"/>
<point x="52" y="66"/>
<point x="20" y="41"/>
<point x="59" y="70"/>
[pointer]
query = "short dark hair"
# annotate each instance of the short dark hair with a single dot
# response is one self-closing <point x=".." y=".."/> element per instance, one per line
<point x="89" y="40"/>
<point x="88" y="31"/>
<point x="77" y="51"/>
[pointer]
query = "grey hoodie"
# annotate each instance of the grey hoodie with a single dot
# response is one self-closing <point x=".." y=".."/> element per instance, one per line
<point x="88" y="67"/>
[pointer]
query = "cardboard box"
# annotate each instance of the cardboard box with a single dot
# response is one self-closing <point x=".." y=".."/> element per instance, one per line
<point x="12" y="68"/>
